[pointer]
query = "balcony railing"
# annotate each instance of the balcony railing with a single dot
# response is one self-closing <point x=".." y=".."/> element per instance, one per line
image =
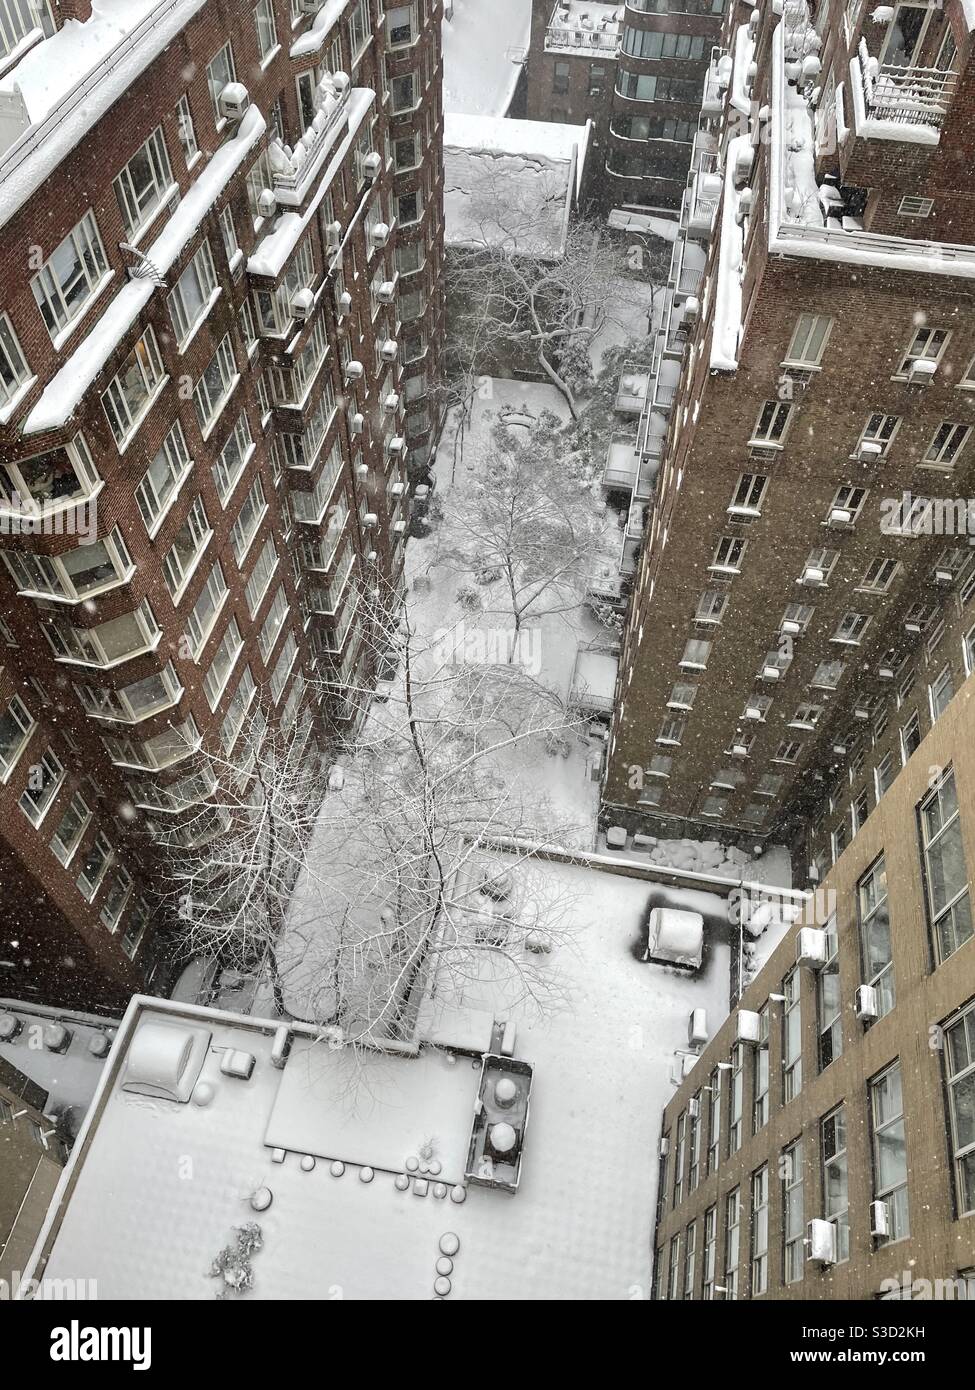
<point x="581" y="40"/>
<point x="906" y="95"/>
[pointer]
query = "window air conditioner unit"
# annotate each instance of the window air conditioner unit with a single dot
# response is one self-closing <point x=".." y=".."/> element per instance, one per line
<point x="752" y="712"/>
<point x="664" y="1149"/>
<point x="912" y="626"/>
<point x="357" y="422"/>
<point x="333" y="235"/>
<point x="810" y="946"/>
<point x="694" y="1107"/>
<point x="753" y="22"/>
<point x="879" y="1219"/>
<point x="839" y="749"/>
<point x="362" y="470"/>
<point x="812" y="576"/>
<point x="886" y="673"/>
<point x="399" y="527"/>
<point x="353" y="370"/>
<point x="379" y="234"/>
<point x="840" y="516"/>
<point x="372" y="164"/>
<point x="944" y="577"/>
<point x="233" y="101"/>
<point x="821" y="1242"/>
<point x="302" y="304"/>
<point x="386" y="292"/>
<point x="391" y="402"/>
<point x="746" y="1026"/>
<point x="345" y="302"/>
<point x="744" y="207"/>
<point x="397" y="445"/>
<point x="697" y="1028"/>
<point x="869" y="451"/>
<point x="309" y="6"/>
<point x="397" y="489"/>
<point x="790" y="627"/>
<point x="267" y="203"/>
<point x="743" y="164"/>
<point x="369" y="520"/>
<point x="57" y="1038"/>
<point x="692" y="309"/>
<point x="921" y="371"/>
<point x="861" y="712"/>
<point x="865" y="1003"/>
<point x="389" y="350"/>
<point x="740" y="750"/>
<point x="771" y="673"/>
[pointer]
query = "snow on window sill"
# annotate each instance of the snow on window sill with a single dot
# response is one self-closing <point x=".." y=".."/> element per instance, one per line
<point x="203" y="316"/>
<point x="22" y="390"/>
<point x="184" y="583"/>
<point x="221" y="407"/>
<point x="137" y="423"/>
<point x="266" y="61"/>
<point x="135" y="237"/>
<point x="152" y="530"/>
<point x="61" y="337"/>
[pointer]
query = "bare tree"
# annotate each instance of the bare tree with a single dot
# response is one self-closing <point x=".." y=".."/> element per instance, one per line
<point x="532" y="522"/>
<point x="362" y="879"/>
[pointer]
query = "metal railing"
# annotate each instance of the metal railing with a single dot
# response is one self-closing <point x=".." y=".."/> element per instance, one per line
<point x="581" y="40"/>
<point x="907" y="95"/>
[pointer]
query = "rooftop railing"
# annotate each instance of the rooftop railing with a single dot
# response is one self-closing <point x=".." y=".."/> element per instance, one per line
<point x="906" y="95"/>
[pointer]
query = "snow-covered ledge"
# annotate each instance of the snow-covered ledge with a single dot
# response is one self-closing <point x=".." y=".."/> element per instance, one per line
<point x="870" y="128"/>
<point x="727" y="296"/>
<point x="64" y="392"/>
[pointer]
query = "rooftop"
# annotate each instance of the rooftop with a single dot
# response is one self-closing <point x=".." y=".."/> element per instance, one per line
<point x="484" y="47"/>
<point x="579" y="26"/>
<point x="62" y="1051"/>
<point x="603" y="1068"/>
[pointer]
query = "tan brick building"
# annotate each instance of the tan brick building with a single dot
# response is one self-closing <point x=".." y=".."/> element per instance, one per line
<point x="806" y="578"/>
<point x="220" y="322"/>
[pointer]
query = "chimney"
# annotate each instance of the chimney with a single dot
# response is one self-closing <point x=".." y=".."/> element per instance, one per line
<point x="74" y="9"/>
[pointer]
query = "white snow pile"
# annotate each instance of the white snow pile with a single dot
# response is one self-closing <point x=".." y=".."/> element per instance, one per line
<point x="484" y="46"/>
<point x="327" y="17"/>
<point x="698" y="856"/>
<point x="727" y="308"/>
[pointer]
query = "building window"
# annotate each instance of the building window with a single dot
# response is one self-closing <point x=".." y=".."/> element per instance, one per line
<point x="161" y="482"/>
<point x="942" y="691"/>
<point x="401" y="25"/>
<point x="14" y="372"/>
<point x="44" y="779"/>
<point x="959" y="1058"/>
<point x="828" y="1003"/>
<point x="405" y="93"/>
<point x="560" y="79"/>
<point x="772" y="423"/>
<point x="791" y="1038"/>
<point x="760" y="1072"/>
<point x="359" y="34"/>
<point x="215" y="385"/>
<point x="221" y="666"/>
<point x="205" y="611"/>
<point x="708" y="1252"/>
<point x="714" y="1119"/>
<point x="57" y="478"/>
<point x="736" y="1098"/>
<point x="874" y="926"/>
<point x="728" y="555"/>
<point x="793" y="1223"/>
<point x="690" y="1252"/>
<point x="732" y="1233"/>
<point x="19" y="19"/>
<point x="143" y="183"/>
<point x="233" y="459"/>
<point x="878" y="431"/>
<point x="16" y="726"/>
<point x="851" y="628"/>
<point x="135" y="931"/>
<point x="910" y="206"/>
<point x="884" y="774"/>
<point x="70" y="829"/>
<point x="187" y="132"/>
<point x="192" y="294"/>
<point x="94" y="866"/>
<point x="748" y="495"/>
<point x="880" y="575"/>
<point x="71" y="277"/>
<point x="183" y="556"/>
<point x="671" y="732"/>
<point x="248" y="522"/>
<point x="220" y="71"/>
<point x="836" y="1194"/>
<point x="788" y="751"/>
<point x="267" y="35"/>
<point x="673" y="1280"/>
<point x="759" y="1234"/>
<point x="948" y="441"/>
<point x="890" y="1151"/>
<point x="131" y="393"/>
<point x="808" y="340"/>
<point x="74" y="575"/>
<point x="115" y="899"/>
<point x="228" y="235"/>
<point x="945" y="872"/>
<point x="927" y="345"/>
<point x="910" y="736"/>
<point x="682" y="696"/>
<point x="711" y="606"/>
<point x="696" y="654"/>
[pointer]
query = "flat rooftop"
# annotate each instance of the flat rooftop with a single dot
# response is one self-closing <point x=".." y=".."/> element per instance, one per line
<point x="155" y="1187"/>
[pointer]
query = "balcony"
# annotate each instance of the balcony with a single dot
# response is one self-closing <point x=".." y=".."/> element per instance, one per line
<point x="580" y="27"/>
<point x="687" y="267"/>
<point x="293" y="170"/>
<point x="894" y="102"/>
<point x="715" y="82"/>
<point x="631" y="394"/>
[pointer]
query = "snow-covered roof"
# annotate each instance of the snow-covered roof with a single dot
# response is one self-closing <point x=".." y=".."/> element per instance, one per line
<point x="69" y="1077"/>
<point x="512" y="182"/>
<point x="484" y="46"/>
<point x="605" y="1059"/>
<point x="66" y="83"/>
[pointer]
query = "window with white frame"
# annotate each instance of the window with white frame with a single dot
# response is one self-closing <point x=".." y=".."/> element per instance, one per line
<point x="732" y="1235"/>
<point x="359" y="30"/>
<point x="132" y="703"/>
<point x="187" y="131"/>
<point x="405" y="93"/>
<point x="259" y="178"/>
<point x="880" y="574"/>
<point x="671" y="732"/>
<point x="70" y="829"/>
<point x="144" y="183"/>
<point x="135" y="930"/>
<point x="748" y="495"/>
<point x="267" y="35"/>
<point x="736" y="1099"/>
<point x="220" y="71"/>
<point x="941" y="691"/>
<point x="240" y="703"/>
<point x="170" y="746"/>
<point x="260" y="577"/>
<point x="228" y="235"/>
<point x="203" y="616"/>
<point x="912" y="206"/>
<point x="958" y="1051"/>
<point x="409" y="207"/>
<point x="772" y="423"/>
<point x="760" y="1073"/>
<point x="116" y="897"/>
<point x="873" y="916"/>
<point x="183" y="556"/>
<point x="44" y="779"/>
<point x="793" y="1222"/>
<point x="401" y="25"/>
<point x="759" y="1232"/>
<point x="945" y="872"/>
<point x="58" y="477"/>
<point x="131" y="392"/>
<point x="947" y="443"/>
<point x="19" y="19"/>
<point x="71" y="277"/>
<point x="829" y="1002"/>
<point x="161" y="481"/>
<point x="848" y="502"/>
<point x="728" y="555"/>
<point x="696" y="653"/>
<point x="851" y="629"/>
<point x="16" y="726"/>
<point x="95" y="862"/>
<point x="248" y="522"/>
<point x="273" y="624"/>
<point x="219" y="378"/>
<point x="708" y="1254"/>
<point x="104" y="644"/>
<point x="926" y="345"/>
<point x="14" y="371"/>
<point x="890" y="1152"/>
<point x="836" y="1196"/>
<point x="807" y="716"/>
<point x="711" y="606"/>
<point x="682" y="696"/>
<point x="283" y="667"/>
<point x="828" y="675"/>
<point x="74" y="574"/>
<point x="233" y="458"/>
<point x="406" y="155"/>
<point x="191" y="296"/>
<point x="808" y="340"/>
<point x="791" y="1037"/>
<point x="221" y="666"/>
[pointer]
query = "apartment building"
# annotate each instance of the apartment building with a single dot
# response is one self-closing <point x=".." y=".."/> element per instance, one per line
<point x="822" y="1145"/>
<point x="220" y="317"/>
<point x="635" y="70"/>
<point x="31" y="1159"/>
<point x="803" y="595"/>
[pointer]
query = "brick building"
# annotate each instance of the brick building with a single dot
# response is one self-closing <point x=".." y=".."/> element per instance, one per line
<point x="802" y="611"/>
<point x="635" y="70"/>
<point x="221" y="233"/>
<point x="822" y="1145"/>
